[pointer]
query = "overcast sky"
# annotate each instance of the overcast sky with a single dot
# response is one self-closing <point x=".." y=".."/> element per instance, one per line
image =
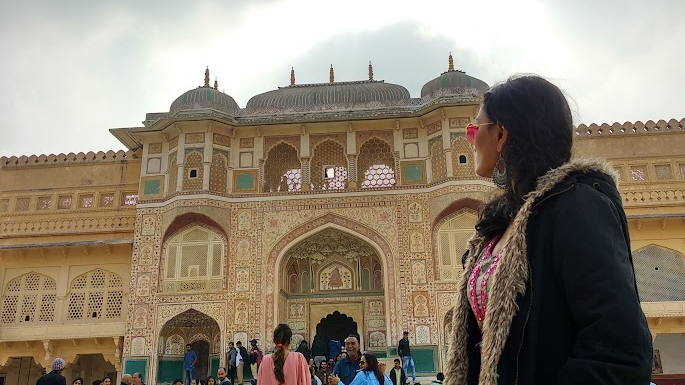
<point x="70" y="70"/>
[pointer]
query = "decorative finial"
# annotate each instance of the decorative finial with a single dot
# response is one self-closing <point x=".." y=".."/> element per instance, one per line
<point x="292" y="76"/>
<point x="207" y="77"/>
<point x="332" y="76"/>
<point x="216" y="84"/>
<point x="370" y="71"/>
<point x="451" y="63"/>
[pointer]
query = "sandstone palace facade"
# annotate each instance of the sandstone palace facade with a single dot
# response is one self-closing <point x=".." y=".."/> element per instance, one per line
<point x="334" y="207"/>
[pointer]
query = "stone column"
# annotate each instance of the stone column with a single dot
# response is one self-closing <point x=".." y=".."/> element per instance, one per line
<point x="351" y="158"/>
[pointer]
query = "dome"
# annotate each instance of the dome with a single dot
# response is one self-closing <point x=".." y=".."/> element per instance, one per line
<point x="330" y="93"/>
<point x="453" y="80"/>
<point x="205" y="97"/>
<point x="202" y="98"/>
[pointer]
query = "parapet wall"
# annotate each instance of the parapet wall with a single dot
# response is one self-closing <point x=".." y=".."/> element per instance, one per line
<point x="70" y="158"/>
<point x="629" y="128"/>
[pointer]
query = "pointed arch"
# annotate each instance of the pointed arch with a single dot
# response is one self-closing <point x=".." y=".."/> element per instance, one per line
<point x="329" y="153"/>
<point x="452" y="229"/>
<point x="95" y="296"/>
<point x="282" y="168"/>
<point x="376" y="164"/>
<point x="372" y="237"/>
<point x="29" y="298"/>
<point x="660" y="274"/>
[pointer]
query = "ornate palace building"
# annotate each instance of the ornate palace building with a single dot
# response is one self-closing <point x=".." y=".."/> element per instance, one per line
<point x="334" y="207"/>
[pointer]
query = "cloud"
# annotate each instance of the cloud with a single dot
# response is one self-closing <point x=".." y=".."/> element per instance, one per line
<point x="75" y="69"/>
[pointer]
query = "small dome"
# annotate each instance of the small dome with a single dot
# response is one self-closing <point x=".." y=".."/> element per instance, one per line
<point x="453" y="80"/>
<point x="205" y="97"/>
<point x="202" y="98"/>
<point x="330" y="93"/>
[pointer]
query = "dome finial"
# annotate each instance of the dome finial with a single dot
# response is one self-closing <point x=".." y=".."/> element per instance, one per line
<point x="216" y="84"/>
<point x="207" y="77"/>
<point x="451" y="63"/>
<point x="332" y="76"/>
<point x="370" y="71"/>
<point x="292" y="76"/>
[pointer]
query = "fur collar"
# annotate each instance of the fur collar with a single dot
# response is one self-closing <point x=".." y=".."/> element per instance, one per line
<point x="507" y="283"/>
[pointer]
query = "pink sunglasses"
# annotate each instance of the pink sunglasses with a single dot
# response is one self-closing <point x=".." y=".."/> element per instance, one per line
<point x="472" y="129"/>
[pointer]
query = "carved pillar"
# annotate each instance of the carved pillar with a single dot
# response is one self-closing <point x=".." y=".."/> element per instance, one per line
<point x="117" y="356"/>
<point x="352" y="171"/>
<point x="47" y="346"/>
<point x="305" y="170"/>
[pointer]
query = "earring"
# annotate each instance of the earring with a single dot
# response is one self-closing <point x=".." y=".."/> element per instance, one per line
<point x="500" y="178"/>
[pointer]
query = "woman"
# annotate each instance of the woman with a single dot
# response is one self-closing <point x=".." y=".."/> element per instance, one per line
<point x="211" y="380"/>
<point x="106" y="381"/>
<point x="303" y="349"/>
<point x="369" y="373"/>
<point x="283" y="366"/>
<point x="548" y="293"/>
<point x="77" y="381"/>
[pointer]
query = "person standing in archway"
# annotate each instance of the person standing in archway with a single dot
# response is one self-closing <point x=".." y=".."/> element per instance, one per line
<point x="256" y="356"/>
<point x="189" y="362"/>
<point x="240" y="361"/>
<point x="404" y="352"/>
<point x="319" y="350"/>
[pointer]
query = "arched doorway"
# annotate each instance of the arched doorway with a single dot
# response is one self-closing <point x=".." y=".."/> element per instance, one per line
<point x="190" y="327"/>
<point x="336" y="326"/>
<point x="334" y="280"/>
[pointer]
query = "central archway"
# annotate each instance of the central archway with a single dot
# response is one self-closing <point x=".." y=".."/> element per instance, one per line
<point x="336" y="326"/>
<point x="338" y="265"/>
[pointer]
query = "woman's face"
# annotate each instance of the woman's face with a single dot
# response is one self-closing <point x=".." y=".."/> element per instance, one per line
<point x="489" y="142"/>
<point x="77" y="382"/>
<point x="193" y="382"/>
<point x="107" y="381"/>
<point x="210" y="381"/>
<point x="311" y="361"/>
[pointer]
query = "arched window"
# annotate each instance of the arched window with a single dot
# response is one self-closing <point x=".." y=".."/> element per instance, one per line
<point x="329" y="166"/>
<point x="282" y="169"/>
<point x="376" y="164"/>
<point x="660" y="274"/>
<point x="194" y="260"/>
<point x="174" y="345"/>
<point x="450" y="239"/>
<point x="95" y="295"/>
<point x="462" y="158"/>
<point x="29" y="298"/>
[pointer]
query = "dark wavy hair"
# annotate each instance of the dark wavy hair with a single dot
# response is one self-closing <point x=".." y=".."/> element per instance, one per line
<point x="372" y="366"/>
<point x="539" y="122"/>
<point x="282" y="336"/>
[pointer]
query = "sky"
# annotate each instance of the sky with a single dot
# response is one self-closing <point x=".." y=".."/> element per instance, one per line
<point x="72" y="69"/>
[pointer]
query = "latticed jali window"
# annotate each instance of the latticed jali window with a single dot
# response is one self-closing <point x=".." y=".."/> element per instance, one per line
<point x="329" y="166"/>
<point x="462" y="150"/>
<point x="438" y="163"/>
<point x="451" y="236"/>
<point x="376" y="162"/>
<point x="194" y="260"/>
<point x="174" y="345"/>
<point x="193" y="180"/>
<point x="638" y="173"/>
<point x="95" y="295"/>
<point x="22" y="204"/>
<point x="660" y="274"/>
<point x="29" y="298"/>
<point x="218" y="171"/>
<point x="282" y="169"/>
<point x="85" y="201"/>
<point x="107" y="200"/>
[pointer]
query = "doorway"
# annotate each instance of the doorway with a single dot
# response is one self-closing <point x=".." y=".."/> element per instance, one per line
<point x="201" y="348"/>
<point x="336" y="326"/>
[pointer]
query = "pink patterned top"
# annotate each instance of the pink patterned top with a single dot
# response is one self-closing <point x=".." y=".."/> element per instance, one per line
<point x="478" y="280"/>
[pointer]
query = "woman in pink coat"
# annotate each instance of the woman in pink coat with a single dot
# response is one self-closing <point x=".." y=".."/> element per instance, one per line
<point x="283" y="367"/>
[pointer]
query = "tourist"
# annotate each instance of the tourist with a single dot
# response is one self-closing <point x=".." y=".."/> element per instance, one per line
<point x="126" y="379"/>
<point x="347" y="367"/>
<point x="323" y="372"/>
<point x="221" y="376"/>
<point x="439" y="378"/>
<point x="240" y="359"/>
<point x="232" y="355"/>
<point x="194" y="382"/>
<point x="137" y="379"/>
<point x="369" y="373"/>
<point x="256" y="356"/>
<point x="283" y="367"/>
<point x="211" y="380"/>
<point x="55" y="377"/>
<point x="550" y="261"/>
<point x="189" y="362"/>
<point x="397" y="374"/>
<point x="314" y="379"/>
<point x="77" y="381"/>
<point x="331" y="365"/>
<point x="404" y="352"/>
<point x="107" y="381"/>
<point x="303" y="349"/>
<point x="177" y="381"/>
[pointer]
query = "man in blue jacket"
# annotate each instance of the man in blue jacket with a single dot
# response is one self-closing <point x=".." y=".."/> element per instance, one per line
<point x="346" y="369"/>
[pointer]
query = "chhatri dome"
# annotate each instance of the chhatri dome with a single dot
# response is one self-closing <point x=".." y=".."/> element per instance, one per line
<point x="205" y="97"/>
<point x="318" y="95"/>
<point x="453" y="81"/>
